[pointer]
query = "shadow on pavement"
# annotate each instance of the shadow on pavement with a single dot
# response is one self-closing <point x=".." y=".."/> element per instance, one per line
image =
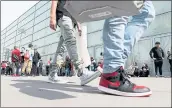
<point x="42" y="89"/>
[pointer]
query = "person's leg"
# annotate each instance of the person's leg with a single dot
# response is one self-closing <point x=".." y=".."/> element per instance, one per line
<point x="114" y="80"/>
<point x="24" y="66"/>
<point x="58" y="55"/>
<point x="170" y="61"/>
<point x="68" y="34"/>
<point x="17" y="68"/>
<point x="29" y="67"/>
<point x="160" y="63"/>
<point x="137" y="26"/>
<point x="156" y="68"/>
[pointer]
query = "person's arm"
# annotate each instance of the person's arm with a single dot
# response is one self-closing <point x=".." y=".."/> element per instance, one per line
<point x="150" y="53"/>
<point x="53" y="14"/>
<point x="163" y="55"/>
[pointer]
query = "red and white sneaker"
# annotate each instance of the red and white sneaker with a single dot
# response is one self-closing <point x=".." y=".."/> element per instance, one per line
<point x="14" y="75"/>
<point x="117" y="83"/>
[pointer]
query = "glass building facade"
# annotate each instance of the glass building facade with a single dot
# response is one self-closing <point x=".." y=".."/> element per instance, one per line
<point x="33" y="27"/>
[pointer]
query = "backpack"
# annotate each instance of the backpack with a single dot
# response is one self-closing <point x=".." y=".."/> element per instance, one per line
<point x="88" y="11"/>
<point x="26" y="55"/>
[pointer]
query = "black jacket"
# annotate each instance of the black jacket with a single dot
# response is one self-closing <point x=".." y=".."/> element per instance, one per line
<point x="158" y="53"/>
<point x="60" y="11"/>
<point x="36" y="57"/>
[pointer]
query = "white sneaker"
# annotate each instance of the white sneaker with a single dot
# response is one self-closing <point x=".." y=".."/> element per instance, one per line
<point x="54" y="78"/>
<point x="88" y="76"/>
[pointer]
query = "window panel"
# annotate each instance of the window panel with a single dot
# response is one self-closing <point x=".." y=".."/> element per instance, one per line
<point x="17" y="43"/>
<point x="3" y="32"/>
<point x="51" y="48"/>
<point x="26" y="40"/>
<point x="41" y="17"/>
<point x="39" y="42"/>
<point x="41" y="50"/>
<point x="10" y="42"/>
<point x="11" y="30"/>
<point x="91" y="51"/>
<point x="94" y="26"/>
<point x="30" y="11"/>
<point x="12" y="25"/>
<point x="163" y="25"/>
<point x="41" y="10"/>
<point x="27" y="20"/>
<point x="40" y="26"/>
<point x="10" y="36"/>
<point x="95" y="36"/>
<point x="41" y="3"/>
<point x="52" y="38"/>
<point x="27" y="32"/>
<point x="39" y="34"/>
<point x="162" y="6"/>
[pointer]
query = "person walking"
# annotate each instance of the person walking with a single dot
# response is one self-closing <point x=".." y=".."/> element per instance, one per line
<point x="61" y="17"/>
<point x="158" y="56"/>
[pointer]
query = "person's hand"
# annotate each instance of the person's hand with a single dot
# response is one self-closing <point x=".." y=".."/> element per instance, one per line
<point x="79" y="29"/>
<point x="154" y="58"/>
<point x="53" y="23"/>
<point x="163" y="58"/>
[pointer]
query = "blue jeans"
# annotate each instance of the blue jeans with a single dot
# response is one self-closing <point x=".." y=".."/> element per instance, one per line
<point x="67" y="72"/>
<point x="119" y="36"/>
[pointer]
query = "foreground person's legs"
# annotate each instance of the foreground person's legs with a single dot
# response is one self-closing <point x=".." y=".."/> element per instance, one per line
<point x="68" y="34"/>
<point x="114" y="80"/>
<point x="137" y="26"/>
<point x="58" y="55"/>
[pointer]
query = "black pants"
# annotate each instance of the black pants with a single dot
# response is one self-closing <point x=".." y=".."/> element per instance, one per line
<point x="158" y="64"/>
<point x="170" y="61"/>
<point x="34" y="69"/>
<point x="3" y="71"/>
<point x="8" y="70"/>
<point x="40" y="71"/>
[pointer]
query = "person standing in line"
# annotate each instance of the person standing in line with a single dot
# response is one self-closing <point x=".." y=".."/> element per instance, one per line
<point x="158" y="56"/>
<point x="61" y="17"/>
<point x="15" y="58"/>
<point x="169" y="57"/>
<point x="40" y="66"/>
<point x="22" y="57"/>
<point x="119" y="37"/>
<point x="3" y="67"/>
<point x="28" y="58"/>
<point x="35" y="61"/>
<point x="67" y="66"/>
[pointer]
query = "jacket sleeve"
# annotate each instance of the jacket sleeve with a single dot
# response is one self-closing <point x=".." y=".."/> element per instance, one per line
<point x="39" y="56"/>
<point x="163" y="55"/>
<point x="150" y="53"/>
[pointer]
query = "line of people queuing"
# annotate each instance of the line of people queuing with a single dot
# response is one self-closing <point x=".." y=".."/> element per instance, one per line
<point x="24" y="62"/>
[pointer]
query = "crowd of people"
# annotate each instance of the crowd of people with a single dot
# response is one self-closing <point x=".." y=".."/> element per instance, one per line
<point x="24" y="62"/>
<point x="28" y="62"/>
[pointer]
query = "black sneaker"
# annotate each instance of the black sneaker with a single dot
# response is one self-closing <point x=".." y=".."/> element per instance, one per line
<point x="117" y="83"/>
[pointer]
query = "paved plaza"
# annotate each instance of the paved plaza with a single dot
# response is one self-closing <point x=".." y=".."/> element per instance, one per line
<point x="36" y="92"/>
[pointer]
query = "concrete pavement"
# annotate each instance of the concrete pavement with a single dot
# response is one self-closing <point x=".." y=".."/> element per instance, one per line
<point x="36" y="92"/>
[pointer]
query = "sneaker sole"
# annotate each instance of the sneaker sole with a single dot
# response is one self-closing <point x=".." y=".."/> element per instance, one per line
<point x="115" y="92"/>
<point x="94" y="76"/>
<point x="56" y="81"/>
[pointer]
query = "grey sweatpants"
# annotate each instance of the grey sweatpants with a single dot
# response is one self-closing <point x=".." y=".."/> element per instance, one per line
<point x="68" y="33"/>
<point x="68" y="38"/>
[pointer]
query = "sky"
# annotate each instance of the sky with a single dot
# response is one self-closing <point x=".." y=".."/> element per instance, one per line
<point x="11" y="10"/>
